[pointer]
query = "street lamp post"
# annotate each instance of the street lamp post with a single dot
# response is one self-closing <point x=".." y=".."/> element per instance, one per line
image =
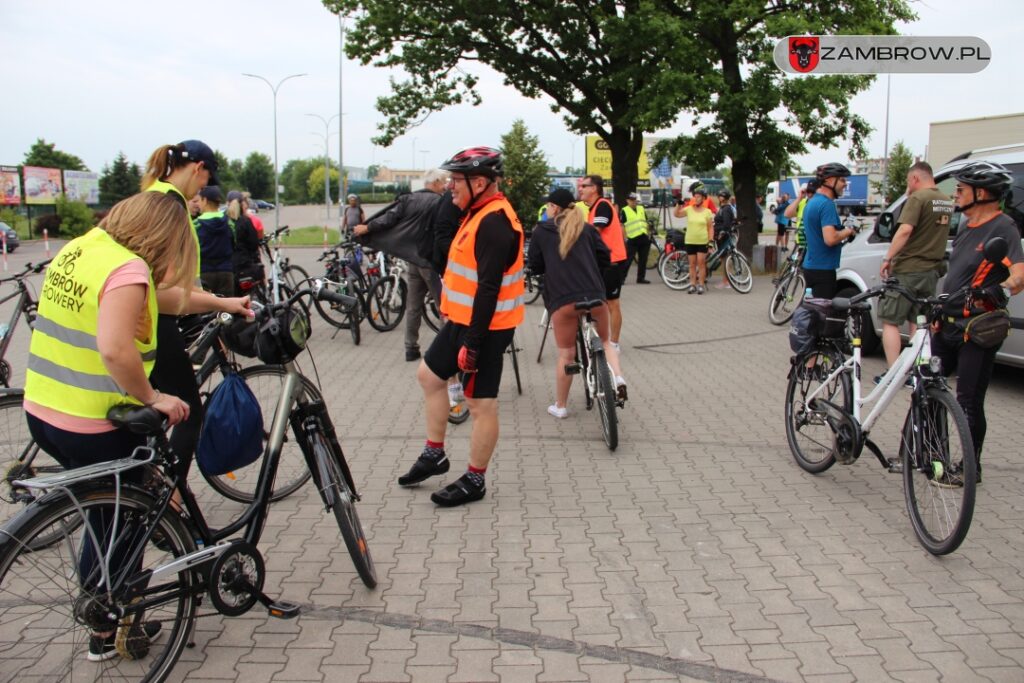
<point x="274" y="89"/>
<point x="414" y="154"/>
<point x="424" y="152"/>
<point x="327" y="164"/>
<point x="342" y="187"/>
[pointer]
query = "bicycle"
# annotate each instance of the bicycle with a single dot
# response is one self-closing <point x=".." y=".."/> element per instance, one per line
<point x="598" y="382"/>
<point x="657" y="248"/>
<point x="386" y="300"/>
<point x="824" y="422"/>
<point x="344" y="276"/>
<point x="674" y="266"/>
<point x="26" y="305"/>
<point x="149" y="561"/>
<point x="789" y="288"/>
<point x="282" y="270"/>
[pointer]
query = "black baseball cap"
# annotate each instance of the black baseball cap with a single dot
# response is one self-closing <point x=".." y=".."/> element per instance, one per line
<point x="197" y="150"/>
<point x="211" y="193"/>
<point x="561" y="197"/>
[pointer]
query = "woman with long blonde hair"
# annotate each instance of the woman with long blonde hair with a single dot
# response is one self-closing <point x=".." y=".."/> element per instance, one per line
<point x="572" y="257"/>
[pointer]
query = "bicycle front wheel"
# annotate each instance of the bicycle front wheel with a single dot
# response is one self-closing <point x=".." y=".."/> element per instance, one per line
<point x="606" y="400"/>
<point x="267" y="383"/>
<point x="342" y="504"/>
<point x="431" y="314"/>
<point x="534" y="288"/>
<point x="787" y="296"/>
<point x="295" y="276"/>
<point x="334" y="313"/>
<point x="49" y="606"/>
<point x="738" y="272"/>
<point x="386" y="303"/>
<point x="810" y="437"/>
<point x="939" y="471"/>
<point x="675" y="270"/>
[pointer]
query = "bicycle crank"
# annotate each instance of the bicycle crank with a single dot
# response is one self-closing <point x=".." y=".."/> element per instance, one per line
<point x="236" y="584"/>
<point x="848" y="441"/>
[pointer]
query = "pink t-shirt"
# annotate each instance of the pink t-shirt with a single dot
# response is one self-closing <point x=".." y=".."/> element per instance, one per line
<point x="135" y="272"/>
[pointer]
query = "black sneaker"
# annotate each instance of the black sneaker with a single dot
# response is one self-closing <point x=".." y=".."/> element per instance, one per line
<point x="909" y="382"/>
<point x="411" y="355"/>
<point x="462" y="490"/>
<point x="102" y="648"/>
<point x="423" y="469"/>
<point x="137" y="640"/>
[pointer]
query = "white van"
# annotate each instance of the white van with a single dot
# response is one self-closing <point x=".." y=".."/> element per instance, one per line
<point x="861" y="259"/>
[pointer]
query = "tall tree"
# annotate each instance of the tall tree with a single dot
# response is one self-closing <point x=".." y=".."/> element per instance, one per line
<point x="295" y="176"/>
<point x="43" y="153"/>
<point x="315" y="183"/>
<point x="226" y="172"/>
<point x="894" y="182"/>
<point x="526" y="172"/>
<point x="119" y="180"/>
<point x="258" y="175"/>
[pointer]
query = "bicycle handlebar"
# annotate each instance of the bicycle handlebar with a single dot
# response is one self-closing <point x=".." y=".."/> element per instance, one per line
<point x="29" y="268"/>
<point x="317" y="291"/>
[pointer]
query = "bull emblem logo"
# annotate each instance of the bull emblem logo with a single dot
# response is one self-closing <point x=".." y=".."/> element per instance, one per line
<point x="803" y="53"/>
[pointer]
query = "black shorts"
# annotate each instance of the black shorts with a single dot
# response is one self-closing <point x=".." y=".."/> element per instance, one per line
<point x="781" y="229"/>
<point x="443" y="359"/>
<point x="821" y="282"/>
<point x="692" y="249"/>
<point x="613" y="278"/>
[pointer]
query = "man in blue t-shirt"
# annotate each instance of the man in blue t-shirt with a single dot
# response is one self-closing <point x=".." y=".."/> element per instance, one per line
<point x="823" y="232"/>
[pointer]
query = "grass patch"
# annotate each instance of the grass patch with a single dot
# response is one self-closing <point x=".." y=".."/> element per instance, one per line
<point x="312" y="235"/>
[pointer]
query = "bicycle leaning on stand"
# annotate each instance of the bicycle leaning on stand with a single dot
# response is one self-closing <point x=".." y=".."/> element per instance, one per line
<point x="139" y="561"/>
<point x="824" y="423"/>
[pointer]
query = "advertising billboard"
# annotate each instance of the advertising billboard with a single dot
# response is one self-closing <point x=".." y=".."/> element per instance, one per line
<point x="599" y="162"/>
<point x="82" y="186"/>
<point x="42" y="185"/>
<point x="10" y="186"/>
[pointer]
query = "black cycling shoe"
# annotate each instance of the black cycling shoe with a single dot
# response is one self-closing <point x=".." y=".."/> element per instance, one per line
<point x="423" y="469"/>
<point x="459" y="492"/>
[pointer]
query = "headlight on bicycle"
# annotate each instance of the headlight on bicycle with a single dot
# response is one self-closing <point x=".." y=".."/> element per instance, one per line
<point x="935" y="366"/>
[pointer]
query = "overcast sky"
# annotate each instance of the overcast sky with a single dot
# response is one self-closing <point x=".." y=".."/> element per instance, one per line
<point x="102" y="76"/>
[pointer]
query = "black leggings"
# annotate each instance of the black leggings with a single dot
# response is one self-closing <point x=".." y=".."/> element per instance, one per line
<point x="173" y="374"/>
<point x="973" y="366"/>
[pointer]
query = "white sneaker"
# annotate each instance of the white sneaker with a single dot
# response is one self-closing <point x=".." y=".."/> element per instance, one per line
<point x="560" y="413"/>
<point x="615" y="345"/>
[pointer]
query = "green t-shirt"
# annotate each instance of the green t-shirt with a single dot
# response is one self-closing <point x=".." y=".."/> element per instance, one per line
<point x="929" y="211"/>
<point x="698" y="224"/>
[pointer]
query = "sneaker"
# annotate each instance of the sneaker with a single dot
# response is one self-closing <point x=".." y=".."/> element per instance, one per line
<point x="424" y="468"/>
<point x="136" y="640"/>
<point x="461" y="491"/>
<point x="700" y="289"/>
<point x="643" y="282"/>
<point x="615" y="345"/>
<point x="691" y="289"/>
<point x="723" y="285"/>
<point x="620" y="390"/>
<point x="560" y="413"/>
<point x="411" y="355"/>
<point x="908" y="383"/>
<point x="102" y="648"/>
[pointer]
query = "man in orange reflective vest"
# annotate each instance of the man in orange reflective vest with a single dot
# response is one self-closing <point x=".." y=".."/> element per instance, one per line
<point x="605" y="217"/>
<point x="482" y="299"/>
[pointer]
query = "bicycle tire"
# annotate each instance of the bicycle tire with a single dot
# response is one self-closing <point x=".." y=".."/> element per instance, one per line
<point x="344" y="509"/>
<point x="383" y="312"/>
<point x="788" y="294"/>
<point x="334" y="313"/>
<point x="292" y="472"/>
<point x="810" y="438"/>
<point x="581" y="358"/>
<point x="295" y="276"/>
<point x="940" y="513"/>
<point x="355" y="319"/>
<point x="515" y="363"/>
<point x="39" y="586"/>
<point x="534" y="288"/>
<point x="738" y="272"/>
<point x="653" y="255"/>
<point x="431" y="314"/>
<point x="675" y="270"/>
<point x="606" y="399"/>
<point x="458" y="413"/>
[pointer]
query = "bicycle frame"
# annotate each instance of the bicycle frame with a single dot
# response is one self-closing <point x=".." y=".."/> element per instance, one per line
<point x="25" y="305"/>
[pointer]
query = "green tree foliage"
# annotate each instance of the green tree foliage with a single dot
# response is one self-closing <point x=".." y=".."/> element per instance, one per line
<point x="620" y="69"/>
<point x="75" y="217"/>
<point x="46" y="154"/>
<point x="526" y="172"/>
<point x="894" y="183"/>
<point x="295" y="176"/>
<point x="315" y="183"/>
<point x="257" y="175"/>
<point x="226" y="172"/>
<point x="372" y="170"/>
<point x="119" y="180"/>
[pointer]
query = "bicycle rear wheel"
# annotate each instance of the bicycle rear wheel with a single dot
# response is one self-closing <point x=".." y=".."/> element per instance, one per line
<point x="46" y="603"/>
<point x="675" y="270"/>
<point x="788" y="294"/>
<point x="338" y="496"/>
<point x="534" y="288"/>
<point x="738" y="272"/>
<point x="295" y="276"/>
<point x="386" y="303"/>
<point x="267" y="382"/>
<point x="334" y="313"/>
<point x="605" y="397"/>
<point x="810" y="437"/>
<point x="939" y="471"/>
<point x="431" y="313"/>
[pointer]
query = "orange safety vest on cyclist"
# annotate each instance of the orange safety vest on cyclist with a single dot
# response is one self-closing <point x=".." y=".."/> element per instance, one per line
<point x="612" y="234"/>
<point x="459" y="285"/>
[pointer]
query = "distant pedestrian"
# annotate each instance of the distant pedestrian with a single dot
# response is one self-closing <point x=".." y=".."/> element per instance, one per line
<point x="638" y="237"/>
<point x="700" y="230"/>
<point x="352" y="215"/>
<point x="216" y="244"/>
<point x="725" y="226"/>
<point x="782" y="223"/>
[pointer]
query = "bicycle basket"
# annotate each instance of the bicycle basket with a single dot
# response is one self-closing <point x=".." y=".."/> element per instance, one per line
<point x="283" y="336"/>
<point x="240" y="337"/>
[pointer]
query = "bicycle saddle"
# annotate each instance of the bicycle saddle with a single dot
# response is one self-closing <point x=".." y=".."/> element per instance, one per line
<point x="587" y="305"/>
<point x="841" y="304"/>
<point x="137" y="419"/>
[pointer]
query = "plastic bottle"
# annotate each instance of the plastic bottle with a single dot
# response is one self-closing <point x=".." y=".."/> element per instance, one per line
<point x="808" y="293"/>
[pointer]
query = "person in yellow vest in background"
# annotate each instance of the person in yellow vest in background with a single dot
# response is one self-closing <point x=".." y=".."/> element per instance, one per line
<point x="93" y="346"/>
<point x="638" y="239"/>
<point x="180" y="171"/>
<point x="605" y="218"/>
<point x="482" y="300"/>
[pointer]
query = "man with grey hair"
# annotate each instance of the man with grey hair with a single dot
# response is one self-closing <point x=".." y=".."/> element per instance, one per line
<point x="404" y="229"/>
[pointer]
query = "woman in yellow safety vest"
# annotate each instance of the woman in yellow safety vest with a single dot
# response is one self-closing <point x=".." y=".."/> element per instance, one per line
<point x="93" y="347"/>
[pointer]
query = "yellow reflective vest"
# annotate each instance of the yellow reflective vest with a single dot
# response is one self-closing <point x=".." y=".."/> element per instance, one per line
<point x="65" y="370"/>
<point x="168" y="188"/>
<point x="636" y="221"/>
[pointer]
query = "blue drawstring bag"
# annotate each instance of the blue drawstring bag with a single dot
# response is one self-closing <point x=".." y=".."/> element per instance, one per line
<point x="232" y="435"/>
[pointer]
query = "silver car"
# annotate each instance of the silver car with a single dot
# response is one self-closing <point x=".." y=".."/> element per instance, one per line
<point x="861" y="260"/>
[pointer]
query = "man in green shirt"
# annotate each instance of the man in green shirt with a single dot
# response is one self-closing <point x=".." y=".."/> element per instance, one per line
<point x="915" y="254"/>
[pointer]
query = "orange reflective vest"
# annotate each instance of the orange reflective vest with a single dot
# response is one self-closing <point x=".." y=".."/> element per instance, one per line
<point x="459" y="285"/>
<point x="612" y="234"/>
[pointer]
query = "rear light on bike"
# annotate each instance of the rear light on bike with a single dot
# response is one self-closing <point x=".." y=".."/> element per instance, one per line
<point x="246" y="285"/>
<point x="669" y="248"/>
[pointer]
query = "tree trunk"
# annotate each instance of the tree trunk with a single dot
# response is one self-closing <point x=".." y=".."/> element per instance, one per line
<point x="626" y="144"/>
<point x="744" y="181"/>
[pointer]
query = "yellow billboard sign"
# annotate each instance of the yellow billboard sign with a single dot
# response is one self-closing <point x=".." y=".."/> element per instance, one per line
<point x="599" y="161"/>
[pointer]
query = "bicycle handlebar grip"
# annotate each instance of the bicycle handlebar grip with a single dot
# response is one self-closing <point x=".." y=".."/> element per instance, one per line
<point x="325" y="294"/>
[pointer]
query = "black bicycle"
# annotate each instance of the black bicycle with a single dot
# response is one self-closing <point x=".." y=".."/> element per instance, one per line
<point x="344" y="276"/>
<point x="598" y="382"/>
<point x="136" y="563"/>
<point x="26" y="305"/>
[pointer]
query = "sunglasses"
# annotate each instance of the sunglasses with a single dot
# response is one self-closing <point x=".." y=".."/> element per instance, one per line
<point x="586" y="185"/>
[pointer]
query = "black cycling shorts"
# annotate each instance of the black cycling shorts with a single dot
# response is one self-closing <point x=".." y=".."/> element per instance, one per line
<point x="443" y="359"/>
<point x="613" y="278"/>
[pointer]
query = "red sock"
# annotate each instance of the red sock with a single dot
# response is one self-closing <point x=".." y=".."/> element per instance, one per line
<point x="476" y="470"/>
<point x="435" y="444"/>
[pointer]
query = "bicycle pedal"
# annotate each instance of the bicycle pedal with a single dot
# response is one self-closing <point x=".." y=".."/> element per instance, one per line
<point x="283" y="610"/>
<point x="573" y="369"/>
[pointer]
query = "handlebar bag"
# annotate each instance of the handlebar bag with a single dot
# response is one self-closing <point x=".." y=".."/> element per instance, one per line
<point x="232" y="434"/>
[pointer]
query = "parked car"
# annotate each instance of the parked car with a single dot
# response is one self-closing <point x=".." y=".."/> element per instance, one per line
<point x="12" y="237"/>
<point x="261" y="204"/>
<point x="861" y="260"/>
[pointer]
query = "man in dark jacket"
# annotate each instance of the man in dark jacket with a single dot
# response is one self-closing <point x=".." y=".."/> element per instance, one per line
<point x="404" y="229"/>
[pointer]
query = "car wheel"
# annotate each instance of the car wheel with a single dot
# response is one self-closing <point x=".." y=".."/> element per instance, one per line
<point x="869" y="340"/>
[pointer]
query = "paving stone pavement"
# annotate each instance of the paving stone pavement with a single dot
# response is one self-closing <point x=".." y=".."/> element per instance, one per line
<point x="698" y="551"/>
